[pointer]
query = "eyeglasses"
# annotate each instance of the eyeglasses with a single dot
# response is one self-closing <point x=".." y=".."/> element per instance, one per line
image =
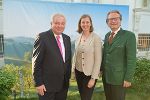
<point x="113" y="19"/>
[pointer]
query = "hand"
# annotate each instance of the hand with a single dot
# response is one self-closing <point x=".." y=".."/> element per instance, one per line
<point x="126" y="84"/>
<point x="91" y="83"/>
<point x="41" y="89"/>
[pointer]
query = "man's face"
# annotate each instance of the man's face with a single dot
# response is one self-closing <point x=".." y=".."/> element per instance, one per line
<point x="114" y="21"/>
<point x="58" y="24"/>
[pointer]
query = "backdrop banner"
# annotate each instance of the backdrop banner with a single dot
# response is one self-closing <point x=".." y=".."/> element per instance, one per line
<point x="24" y="19"/>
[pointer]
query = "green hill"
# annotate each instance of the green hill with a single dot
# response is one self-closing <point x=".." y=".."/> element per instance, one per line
<point x="17" y="62"/>
<point x="16" y="48"/>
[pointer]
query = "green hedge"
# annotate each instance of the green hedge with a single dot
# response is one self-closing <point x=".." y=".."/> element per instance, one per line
<point x="142" y="76"/>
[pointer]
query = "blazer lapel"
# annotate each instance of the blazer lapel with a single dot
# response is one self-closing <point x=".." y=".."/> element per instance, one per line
<point x="116" y="39"/>
<point x="107" y="37"/>
<point x="78" y="41"/>
<point x="90" y="38"/>
<point x="66" y="47"/>
<point x="54" y="44"/>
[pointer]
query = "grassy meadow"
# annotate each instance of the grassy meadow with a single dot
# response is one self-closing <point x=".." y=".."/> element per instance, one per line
<point x="73" y="93"/>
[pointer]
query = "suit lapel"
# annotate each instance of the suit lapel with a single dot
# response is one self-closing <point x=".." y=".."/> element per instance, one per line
<point x="116" y="39"/>
<point x="54" y="44"/>
<point x="118" y="35"/>
<point x="89" y="39"/>
<point x="107" y="37"/>
<point x="78" y="41"/>
<point x="66" y="46"/>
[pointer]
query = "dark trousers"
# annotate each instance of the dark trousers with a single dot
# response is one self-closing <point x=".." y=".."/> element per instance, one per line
<point x="114" y="92"/>
<point x="61" y="95"/>
<point x="82" y="81"/>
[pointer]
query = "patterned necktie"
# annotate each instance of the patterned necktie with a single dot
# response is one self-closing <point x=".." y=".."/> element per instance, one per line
<point x="59" y="44"/>
<point x="111" y="37"/>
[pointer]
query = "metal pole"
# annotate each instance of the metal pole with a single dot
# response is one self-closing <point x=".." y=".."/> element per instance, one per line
<point x="21" y="83"/>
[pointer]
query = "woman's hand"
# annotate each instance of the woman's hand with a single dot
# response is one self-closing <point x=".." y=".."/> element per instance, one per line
<point x="91" y="83"/>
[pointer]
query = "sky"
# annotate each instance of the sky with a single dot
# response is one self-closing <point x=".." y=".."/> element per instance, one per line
<point x="27" y="18"/>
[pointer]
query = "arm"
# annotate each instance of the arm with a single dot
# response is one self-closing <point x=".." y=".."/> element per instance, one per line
<point x="70" y="55"/>
<point x="37" y="59"/>
<point x="74" y="57"/>
<point x="73" y="64"/>
<point x="97" y="57"/>
<point x="103" y="54"/>
<point x="97" y="61"/>
<point x="131" y="59"/>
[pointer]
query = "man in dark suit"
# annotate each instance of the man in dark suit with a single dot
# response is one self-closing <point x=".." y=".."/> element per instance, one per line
<point x="119" y="58"/>
<point x="51" y="61"/>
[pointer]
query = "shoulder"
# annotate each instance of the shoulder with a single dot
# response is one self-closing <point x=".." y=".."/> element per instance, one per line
<point x="44" y="34"/>
<point x="78" y="37"/>
<point x="41" y="36"/>
<point x="96" y="36"/>
<point x="129" y="33"/>
<point x="67" y="36"/>
<point x="107" y="34"/>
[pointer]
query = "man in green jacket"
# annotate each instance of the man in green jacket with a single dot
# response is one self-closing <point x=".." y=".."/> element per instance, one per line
<point x="119" y="58"/>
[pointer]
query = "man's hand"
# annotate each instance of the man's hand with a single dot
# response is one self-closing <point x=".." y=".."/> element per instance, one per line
<point x="91" y="83"/>
<point x="126" y="84"/>
<point x="41" y="89"/>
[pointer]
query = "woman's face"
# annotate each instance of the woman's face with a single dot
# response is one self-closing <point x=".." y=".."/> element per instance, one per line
<point x="85" y="24"/>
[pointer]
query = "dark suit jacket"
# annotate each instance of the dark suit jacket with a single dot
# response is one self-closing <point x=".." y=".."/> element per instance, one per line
<point x="47" y="62"/>
<point x="119" y="58"/>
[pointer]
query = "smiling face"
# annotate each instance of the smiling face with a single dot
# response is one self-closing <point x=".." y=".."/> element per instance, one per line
<point x="114" y="21"/>
<point x="85" y="24"/>
<point x="58" y="24"/>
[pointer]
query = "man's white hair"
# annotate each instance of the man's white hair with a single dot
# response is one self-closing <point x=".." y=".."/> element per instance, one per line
<point x="57" y="15"/>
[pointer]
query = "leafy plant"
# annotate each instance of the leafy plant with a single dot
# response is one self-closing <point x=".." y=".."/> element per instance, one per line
<point x="23" y="77"/>
<point x="7" y="81"/>
<point x="142" y="76"/>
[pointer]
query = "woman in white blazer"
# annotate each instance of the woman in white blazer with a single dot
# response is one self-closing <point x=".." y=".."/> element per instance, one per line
<point x="87" y="57"/>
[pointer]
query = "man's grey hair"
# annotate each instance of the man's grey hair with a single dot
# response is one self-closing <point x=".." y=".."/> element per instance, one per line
<point x="57" y="15"/>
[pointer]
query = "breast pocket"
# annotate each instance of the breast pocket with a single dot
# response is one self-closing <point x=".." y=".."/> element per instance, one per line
<point x="119" y="50"/>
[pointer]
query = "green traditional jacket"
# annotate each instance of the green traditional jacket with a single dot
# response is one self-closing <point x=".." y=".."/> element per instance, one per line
<point x="119" y="58"/>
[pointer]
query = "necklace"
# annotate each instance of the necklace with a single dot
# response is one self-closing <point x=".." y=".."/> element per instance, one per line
<point x="85" y="37"/>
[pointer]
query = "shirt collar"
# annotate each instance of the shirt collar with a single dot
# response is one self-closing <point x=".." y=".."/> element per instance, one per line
<point x="116" y="30"/>
<point x="57" y="35"/>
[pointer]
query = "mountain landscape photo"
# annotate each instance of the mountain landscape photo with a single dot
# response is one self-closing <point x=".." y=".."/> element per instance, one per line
<point x="16" y="49"/>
